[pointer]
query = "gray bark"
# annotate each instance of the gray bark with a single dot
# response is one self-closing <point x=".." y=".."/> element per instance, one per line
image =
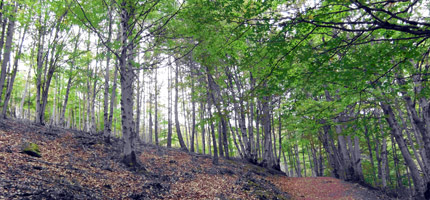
<point x="202" y="126"/>
<point x="156" y="109"/>
<point x="106" y="129"/>
<point x="7" y="51"/>
<point x="13" y="76"/>
<point x="178" y="126"/>
<point x="268" y="159"/>
<point x="169" y="108"/>
<point x="212" y="130"/>
<point x="396" y="132"/>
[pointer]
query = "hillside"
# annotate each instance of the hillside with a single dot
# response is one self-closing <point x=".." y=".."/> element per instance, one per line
<point x="78" y="165"/>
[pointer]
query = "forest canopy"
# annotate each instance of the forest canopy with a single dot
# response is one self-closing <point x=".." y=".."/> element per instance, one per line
<point x="312" y="88"/>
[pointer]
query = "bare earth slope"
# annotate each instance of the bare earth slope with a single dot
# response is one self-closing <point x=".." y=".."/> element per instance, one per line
<point x="78" y="165"/>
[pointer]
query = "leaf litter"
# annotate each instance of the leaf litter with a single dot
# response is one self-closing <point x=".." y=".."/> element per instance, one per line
<point x="79" y="165"/>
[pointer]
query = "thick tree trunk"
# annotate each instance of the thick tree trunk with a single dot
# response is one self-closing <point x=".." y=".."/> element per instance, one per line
<point x="357" y="160"/>
<point x="127" y="78"/>
<point x="268" y="159"/>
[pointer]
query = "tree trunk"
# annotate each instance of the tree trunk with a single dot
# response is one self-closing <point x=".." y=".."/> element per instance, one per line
<point x="193" y="110"/>
<point x="285" y="164"/>
<point x="107" y="123"/>
<point x="156" y="108"/>
<point x="138" y="106"/>
<point x="150" y="119"/>
<point x="215" y="151"/>
<point x="113" y="103"/>
<point x="169" y="108"/>
<point x="396" y="132"/>
<point x="15" y="69"/>
<point x="202" y="125"/>
<point x="7" y="50"/>
<point x="24" y="94"/>
<point x="178" y="126"/>
<point x="220" y="142"/>
<point x="369" y="147"/>
<point x="127" y="77"/>
<point x="268" y="160"/>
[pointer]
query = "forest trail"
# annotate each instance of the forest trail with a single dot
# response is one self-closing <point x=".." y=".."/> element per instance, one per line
<point x="78" y="165"/>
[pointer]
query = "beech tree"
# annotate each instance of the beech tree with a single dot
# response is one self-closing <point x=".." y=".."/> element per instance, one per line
<point x="323" y="88"/>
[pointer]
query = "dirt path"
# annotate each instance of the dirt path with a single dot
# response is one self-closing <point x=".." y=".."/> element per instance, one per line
<point x="324" y="188"/>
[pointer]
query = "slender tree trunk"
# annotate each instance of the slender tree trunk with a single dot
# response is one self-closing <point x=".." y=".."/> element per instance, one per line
<point x="7" y="50"/>
<point x="4" y="23"/>
<point x="138" y="106"/>
<point x="150" y="119"/>
<point x="297" y="155"/>
<point x="169" y="108"/>
<point x="21" y="105"/>
<point x="285" y="164"/>
<point x="220" y="146"/>
<point x="178" y="126"/>
<point x="15" y="69"/>
<point x="193" y="110"/>
<point x="257" y="127"/>
<point x="107" y="122"/>
<point x="212" y="129"/>
<point x="112" y="103"/>
<point x="66" y="99"/>
<point x="156" y="108"/>
<point x="93" y="127"/>
<point x="396" y="132"/>
<point x="304" y="161"/>
<point x="369" y="147"/>
<point x="202" y="126"/>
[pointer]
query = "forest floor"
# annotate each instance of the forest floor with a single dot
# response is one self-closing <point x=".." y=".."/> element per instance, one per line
<point x="79" y="165"/>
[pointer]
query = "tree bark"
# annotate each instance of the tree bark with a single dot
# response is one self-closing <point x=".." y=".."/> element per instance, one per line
<point x="7" y="50"/>
<point x="396" y="132"/>
<point x="212" y="129"/>
<point x="193" y="110"/>
<point x="169" y="108"/>
<point x="15" y="69"/>
<point x="178" y="126"/>
<point x="156" y="109"/>
<point x="202" y="126"/>
<point x="268" y="160"/>
<point x="127" y="77"/>
<point x="107" y="123"/>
